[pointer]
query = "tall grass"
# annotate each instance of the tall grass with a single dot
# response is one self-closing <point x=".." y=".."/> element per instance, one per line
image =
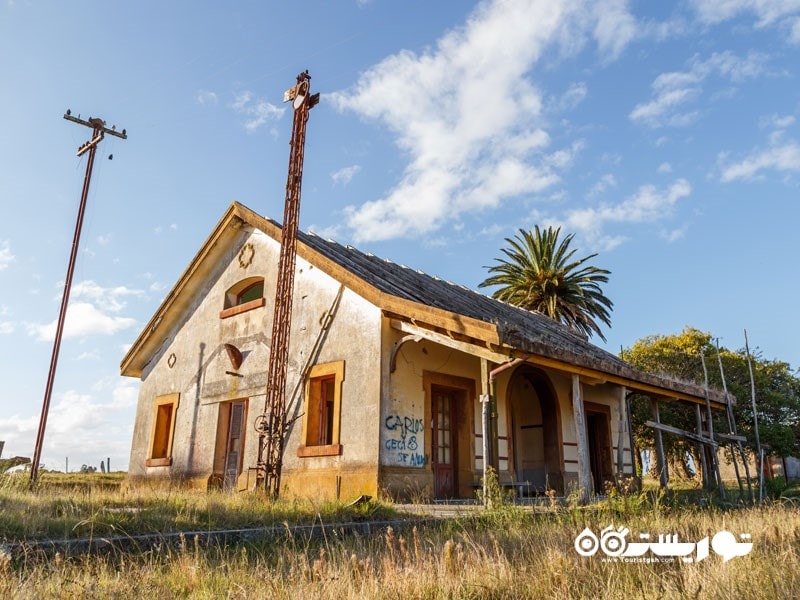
<point x="66" y="507"/>
<point x="505" y="552"/>
<point x="530" y="557"/>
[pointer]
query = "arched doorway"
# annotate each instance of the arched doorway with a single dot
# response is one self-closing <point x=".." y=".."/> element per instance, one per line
<point x="535" y="432"/>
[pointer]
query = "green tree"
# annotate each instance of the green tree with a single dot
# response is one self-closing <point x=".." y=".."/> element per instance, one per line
<point x="539" y="273"/>
<point x="777" y="392"/>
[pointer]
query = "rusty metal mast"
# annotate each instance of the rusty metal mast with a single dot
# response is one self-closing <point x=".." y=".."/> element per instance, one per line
<point x="272" y="425"/>
<point x="99" y="130"/>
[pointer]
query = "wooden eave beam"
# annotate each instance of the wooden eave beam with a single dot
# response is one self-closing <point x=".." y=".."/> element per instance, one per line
<point x="682" y="433"/>
<point x="445" y="340"/>
<point x="730" y="438"/>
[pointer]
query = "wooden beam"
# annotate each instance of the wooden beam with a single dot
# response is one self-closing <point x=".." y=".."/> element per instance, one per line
<point x="486" y="426"/>
<point x="445" y="340"/>
<point x="700" y="448"/>
<point x="632" y="385"/>
<point x="661" y="462"/>
<point x="621" y="434"/>
<point x="729" y="437"/>
<point x="584" y="468"/>
<point x="681" y="432"/>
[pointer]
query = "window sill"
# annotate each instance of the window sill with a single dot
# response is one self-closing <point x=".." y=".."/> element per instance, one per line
<point x="329" y="450"/>
<point x="158" y="462"/>
<point x="236" y="310"/>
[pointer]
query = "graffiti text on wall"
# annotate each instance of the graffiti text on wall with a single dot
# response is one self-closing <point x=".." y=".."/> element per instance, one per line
<point x="401" y="440"/>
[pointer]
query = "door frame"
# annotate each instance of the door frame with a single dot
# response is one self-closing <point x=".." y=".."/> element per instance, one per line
<point x="550" y="405"/>
<point x="601" y="460"/>
<point x="223" y="438"/>
<point x="454" y="398"/>
<point x="463" y="428"/>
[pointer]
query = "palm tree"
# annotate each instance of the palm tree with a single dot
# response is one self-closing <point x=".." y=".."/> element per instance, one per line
<point x="539" y="274"/>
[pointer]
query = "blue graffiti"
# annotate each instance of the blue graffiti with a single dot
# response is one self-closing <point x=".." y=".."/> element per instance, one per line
<point x="402" y="440"/>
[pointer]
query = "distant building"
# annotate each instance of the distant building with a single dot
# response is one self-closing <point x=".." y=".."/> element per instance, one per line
<point x="387" y="370"/>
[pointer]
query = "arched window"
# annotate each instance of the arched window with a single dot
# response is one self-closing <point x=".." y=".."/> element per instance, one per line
<point x="243" y="296"/>
<point x="252" y="292"/>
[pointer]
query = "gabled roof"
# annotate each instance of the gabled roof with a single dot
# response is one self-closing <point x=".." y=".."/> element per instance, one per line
<point x="413" y="296"/>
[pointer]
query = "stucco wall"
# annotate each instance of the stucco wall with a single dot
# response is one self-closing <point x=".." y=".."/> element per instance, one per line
<point x="405" y="434"/>
<point x="200" y="374"/>
<point x="405" y="420"/>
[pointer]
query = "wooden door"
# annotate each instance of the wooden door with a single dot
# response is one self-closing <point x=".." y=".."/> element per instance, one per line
<point x="233" y="447"/>
<point x="599" y="442"/>
<point x="443" y="443"/>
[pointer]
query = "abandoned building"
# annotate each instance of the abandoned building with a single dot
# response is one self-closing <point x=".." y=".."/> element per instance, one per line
<point x="399" y="383"/>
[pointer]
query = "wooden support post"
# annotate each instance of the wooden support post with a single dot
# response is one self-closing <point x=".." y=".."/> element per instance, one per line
<point x="755" y="421"/>
<point x="486" y="428"/>
<point x="584" y="468"/>
<point x="621" y="434"/>
<point x="661" y="462"/>
<point x="701" y="451"/>
<point x="710" y="423"/>
<point x="635" y="457"/>
<point x="732" y="425"/>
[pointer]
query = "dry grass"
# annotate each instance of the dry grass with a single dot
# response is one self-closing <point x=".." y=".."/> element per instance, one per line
<point x="80" y="506"/>
<point x="503" y="553"/>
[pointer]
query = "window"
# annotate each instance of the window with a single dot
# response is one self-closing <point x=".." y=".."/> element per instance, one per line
<point x="322" y="410"/>
<point x="163" y="430"/>
<point x="250" y="293"/>
<point x="245" y="295"/>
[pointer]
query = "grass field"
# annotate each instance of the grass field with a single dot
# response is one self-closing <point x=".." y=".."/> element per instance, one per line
<point x="506" y="552"/>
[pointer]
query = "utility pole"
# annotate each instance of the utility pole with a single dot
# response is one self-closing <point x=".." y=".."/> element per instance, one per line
<point x="272" y="425"/>
<point x="99" y="130"/>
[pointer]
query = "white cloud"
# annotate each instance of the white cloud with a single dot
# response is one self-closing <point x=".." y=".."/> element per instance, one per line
<point x="111" y="298"/>
<point x="648" y="205"/>
<point x="6" y="257"/>
<point x="125" y="393"/>
<point x="104" y="240"/>
<point x="81" y="427"/>
<point x="783" y="14"/>
<point x="456" y="109"/>
<point x="328" y="233"/>
<point x="160" y="228"/>
<point x="575" y="94"/>
<point x="345" y="174"/>
<point x="6" y="327"/>
<point x="258" y="112"/>
<point x="615" y="27"/>
<point x="82" y="319"/>
<point x="205" y="97"/>
<point x="675" y="234"/>
<point x="776" y="121"/>
<point x="90" y="312"/>
<point x="665" y="167"/>
<point x="785" y="158"/>
<point x="767" y="11"/>
<point x="794" y="31"/>
<point x="673" y="91"/>
<point x="606" y="182"/>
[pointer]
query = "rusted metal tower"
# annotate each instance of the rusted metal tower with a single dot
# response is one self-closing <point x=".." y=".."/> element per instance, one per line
<point x="99" y="129"/>
<point x="272" y="424"/>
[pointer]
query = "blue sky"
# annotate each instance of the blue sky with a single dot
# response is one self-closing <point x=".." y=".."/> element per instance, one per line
<point x="663" y="135"/>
